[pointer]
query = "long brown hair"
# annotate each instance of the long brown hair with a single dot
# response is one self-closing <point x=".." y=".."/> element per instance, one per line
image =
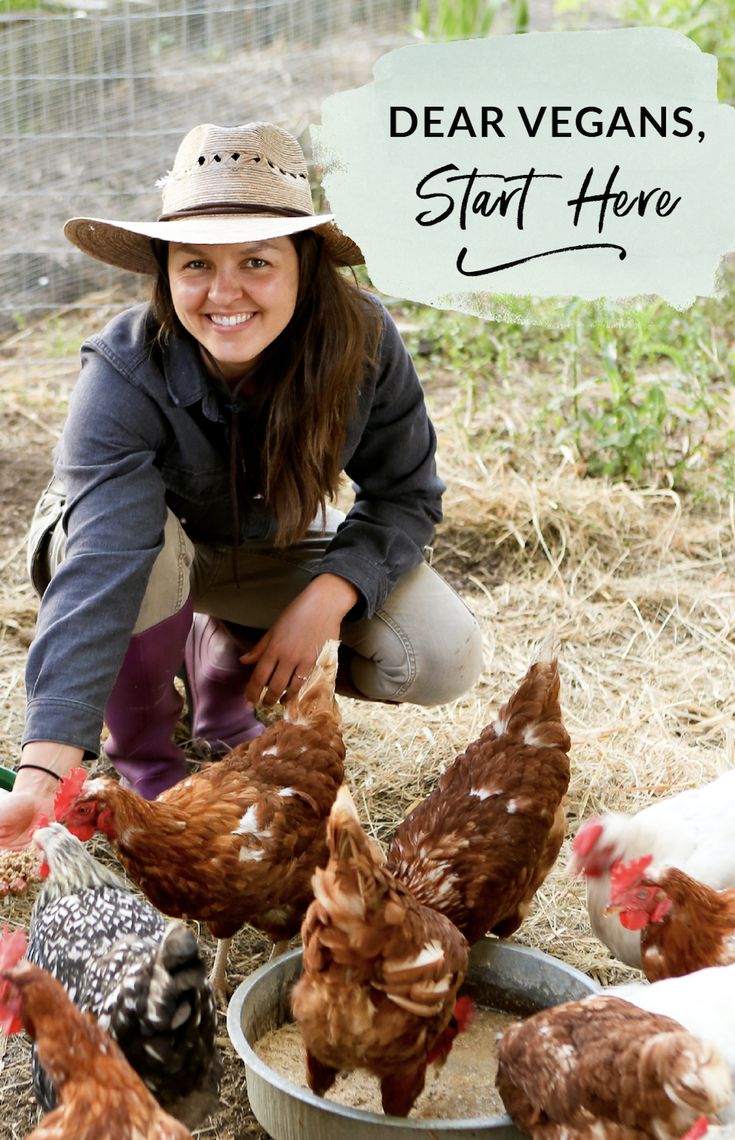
<point x="306" y="383"/>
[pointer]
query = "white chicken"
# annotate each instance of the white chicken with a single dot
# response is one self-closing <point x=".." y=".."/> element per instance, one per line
<point x="692" y="830"/>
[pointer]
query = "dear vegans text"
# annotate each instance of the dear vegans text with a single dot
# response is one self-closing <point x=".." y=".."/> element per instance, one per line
<point x="600" y="196"/>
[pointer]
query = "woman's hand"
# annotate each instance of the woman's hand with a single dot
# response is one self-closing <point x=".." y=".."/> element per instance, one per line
<point x="286" y="654"/>
<point x="20" y="814"/>
<point x="32" y="798"/>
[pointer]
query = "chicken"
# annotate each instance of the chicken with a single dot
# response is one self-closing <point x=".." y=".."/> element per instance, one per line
<point x="479" y="847"/>
<point x="603" y="1069"/>
<point x="101" y="1097"/>
<point x="381" y="972"/>
<point x="691" y="831"/>
<point x="685" y="925"/>
<point x="703" y="1002"/>
<point x="146" y="983"/>
<point x="239" y="841"/>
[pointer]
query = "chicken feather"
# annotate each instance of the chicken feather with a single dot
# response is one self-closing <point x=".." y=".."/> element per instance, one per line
<point x="479" y="846"/>
<point x="239" y="841"/>
<point x="381" y="971"/>
<point x="703" y="1002"/>
<point x="604" y="1068"/>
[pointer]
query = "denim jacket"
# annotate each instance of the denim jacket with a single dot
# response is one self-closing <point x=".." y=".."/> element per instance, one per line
<point x="145" y="433"/>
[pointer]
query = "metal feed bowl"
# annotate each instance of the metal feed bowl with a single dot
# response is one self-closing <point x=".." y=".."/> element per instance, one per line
<point x="502" y="975"/>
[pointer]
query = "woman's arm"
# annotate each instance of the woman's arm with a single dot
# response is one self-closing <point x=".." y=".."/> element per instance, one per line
<point x="115" y="516"/>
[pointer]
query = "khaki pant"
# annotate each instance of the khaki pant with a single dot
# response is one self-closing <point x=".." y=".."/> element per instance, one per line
<point x="422" y="646"/>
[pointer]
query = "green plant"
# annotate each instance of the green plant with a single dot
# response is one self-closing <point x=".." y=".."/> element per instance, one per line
<point x="461" y="19"/>
<point x="637" y="394"/>
<point x="642" y="397"/>
<point x="628" y="428"/>
<point x="710" y="23"/>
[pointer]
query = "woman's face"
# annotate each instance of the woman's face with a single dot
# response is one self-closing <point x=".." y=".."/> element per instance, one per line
<point x="234" y="299"/>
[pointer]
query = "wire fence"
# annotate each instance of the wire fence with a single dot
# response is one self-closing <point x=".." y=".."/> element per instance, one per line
<point x="95" y="98"/>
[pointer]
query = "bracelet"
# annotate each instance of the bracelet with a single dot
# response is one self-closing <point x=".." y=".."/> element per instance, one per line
<point x="40" y="768"/>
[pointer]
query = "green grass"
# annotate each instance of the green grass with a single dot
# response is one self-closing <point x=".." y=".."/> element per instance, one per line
<point x="644" y="399"/>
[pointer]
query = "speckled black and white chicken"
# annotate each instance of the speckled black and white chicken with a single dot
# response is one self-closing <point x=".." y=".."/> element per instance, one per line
<point x="144" y="979"/>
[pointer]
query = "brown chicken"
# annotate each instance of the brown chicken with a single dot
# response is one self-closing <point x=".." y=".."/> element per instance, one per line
<point x="685" y="925"/>
<point x="381" y="972"/>
<point x="604" y="1069"/>
<point x="479" y="847"/>
<point x="239" y="841"/>
<point x="100" y="1096"/>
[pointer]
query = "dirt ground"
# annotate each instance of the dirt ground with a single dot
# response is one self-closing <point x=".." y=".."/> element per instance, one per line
<point x="638" y="584"/>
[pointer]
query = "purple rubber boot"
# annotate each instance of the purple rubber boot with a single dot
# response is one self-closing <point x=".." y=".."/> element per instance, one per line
<point x="143" y="708"/>
<point x="216" y="678"/>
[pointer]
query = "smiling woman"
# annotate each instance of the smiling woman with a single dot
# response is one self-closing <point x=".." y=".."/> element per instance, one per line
<point x="188" y="521"/>
<point x="235" y="300"/>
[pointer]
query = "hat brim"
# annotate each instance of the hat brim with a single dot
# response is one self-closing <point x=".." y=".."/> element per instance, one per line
<point x="128" y="244"/>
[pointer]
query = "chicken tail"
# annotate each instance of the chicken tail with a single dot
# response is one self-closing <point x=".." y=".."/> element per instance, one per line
<point x="163" y="1016"/>
<point x="691" y="1072"/>
<point x="533" y="713"/>
<point x="316" y="694"/>
<point x="549" y="649"/>
<point x="346" y="837"/>
<point x="347" y="886"/>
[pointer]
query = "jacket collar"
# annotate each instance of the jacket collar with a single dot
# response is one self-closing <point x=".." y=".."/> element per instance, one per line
<point x="187" y="380"/>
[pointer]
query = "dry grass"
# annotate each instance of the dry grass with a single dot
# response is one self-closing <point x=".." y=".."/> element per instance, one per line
<point x="639" y="586"/>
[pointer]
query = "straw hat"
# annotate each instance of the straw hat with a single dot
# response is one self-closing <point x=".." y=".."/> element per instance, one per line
<point x="228" y="184"/>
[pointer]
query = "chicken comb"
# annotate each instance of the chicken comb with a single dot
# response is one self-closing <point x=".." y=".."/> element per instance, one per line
<point x="67" y="792"/>
<point x="13" y="945"/>
<point x="587" y="837"/>
<point x="623" y="876"/>
<point x="698" y="1129"/>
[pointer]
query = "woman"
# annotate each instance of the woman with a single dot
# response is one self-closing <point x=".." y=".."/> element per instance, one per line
<point x="187" y="519"/>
